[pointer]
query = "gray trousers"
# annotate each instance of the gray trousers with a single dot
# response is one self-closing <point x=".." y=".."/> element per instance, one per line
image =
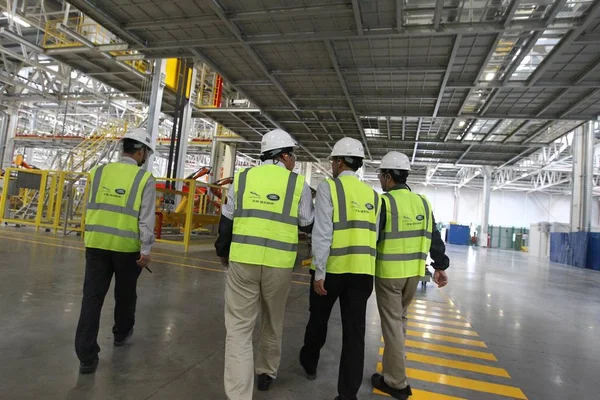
<point x="393" y="298"/>
<point x="251" y="288"/>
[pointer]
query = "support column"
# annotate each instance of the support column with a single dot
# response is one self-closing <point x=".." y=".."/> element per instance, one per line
<point x="8" y="140"/>
<point x="214" y="151"/>
<point x="225" y="160"/>
<point x="156" y="96"/>
<point x="186" y="127"/>
<point x="583" y="159"/>
<point x="308" y="172"/>
<point x="485" y="205"/>
<point x="456" y="204"/>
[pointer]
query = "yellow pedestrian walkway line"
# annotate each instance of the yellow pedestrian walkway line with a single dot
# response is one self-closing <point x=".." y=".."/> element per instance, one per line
<point x="433" y="303"/>
<point x="465" y="383"/>
<point x="424" y="395"/>
<point x="439" y="321"/>
<point x="449" y="350"/>
<point x="431" y="308"/>
<point x="462" y="365"/>
<point x="444" y="338"/>
<point x="435" y="314"/>
<point x="430" y="327"/>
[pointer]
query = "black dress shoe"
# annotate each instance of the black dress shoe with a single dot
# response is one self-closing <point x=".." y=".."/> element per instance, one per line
<point x="121" y="342"/>
<point x="264" y="382"/>
<point x="400" y="394"/>
<point x="88" y="368"/>
<point x="311" y="374"/>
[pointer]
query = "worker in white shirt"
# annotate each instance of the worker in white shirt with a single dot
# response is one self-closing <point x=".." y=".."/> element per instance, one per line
<point x="258" y="240"/>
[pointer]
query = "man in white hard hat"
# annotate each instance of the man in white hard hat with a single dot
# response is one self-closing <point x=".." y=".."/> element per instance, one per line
<point x="119" y="233"/>
<point x="407" y="232"/>
<point x="258" y="239"/>
<point x="344" y="241"/>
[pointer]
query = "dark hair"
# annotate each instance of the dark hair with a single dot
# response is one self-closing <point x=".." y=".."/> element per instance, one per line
<point x="276" y="153"/>
<point x="130" y="146"/>
<point x="354" y="163"/>
<point x="398" y="175"/>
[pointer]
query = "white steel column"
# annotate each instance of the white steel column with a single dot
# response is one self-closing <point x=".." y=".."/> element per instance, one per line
<point x="156" y="96"/>
<point x="308" y="172"/>
<point x="581" y="197"/>
<point x="485" y="205"/>
<point x="214" y="151"/>
<point x="186" y="126"/>
<point x="456" y="204"/>
<point x="8" y="142"/>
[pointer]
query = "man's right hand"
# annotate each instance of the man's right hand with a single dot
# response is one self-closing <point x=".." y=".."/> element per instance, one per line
<point x="319" y="287"/>
<point x="225" y="261"/>
<point x="143" y="261"/>
<point x="440" y="278"/>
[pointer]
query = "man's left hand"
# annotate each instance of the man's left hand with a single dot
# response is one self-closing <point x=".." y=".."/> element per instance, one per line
<point x="319" y="287"/>
<point x="143" y="261"/>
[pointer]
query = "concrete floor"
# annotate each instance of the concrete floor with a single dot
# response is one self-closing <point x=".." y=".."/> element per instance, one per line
<point x="540" y="321"/>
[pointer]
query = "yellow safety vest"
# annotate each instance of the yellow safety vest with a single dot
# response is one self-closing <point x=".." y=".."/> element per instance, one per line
<point x="406" y="239"/>
<point x="354" y="243"/>
<point x="265" y="224"/>
<point x="113" y="208"/>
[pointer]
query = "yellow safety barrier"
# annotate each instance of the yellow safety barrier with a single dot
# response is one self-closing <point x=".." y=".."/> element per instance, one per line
<point x="45" y="199"/>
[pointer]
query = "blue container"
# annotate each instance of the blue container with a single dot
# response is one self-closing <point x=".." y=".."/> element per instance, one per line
<point x="593" y="251"/>
<point x="569" y="248"/>
<point x="459" y="234"/>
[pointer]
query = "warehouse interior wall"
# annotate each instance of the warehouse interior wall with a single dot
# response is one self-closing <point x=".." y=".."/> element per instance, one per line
<point x="508" y="208"/>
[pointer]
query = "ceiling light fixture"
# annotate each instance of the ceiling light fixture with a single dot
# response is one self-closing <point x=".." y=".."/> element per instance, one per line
<point x="489" y="76"/>
<point x="461" y="124"/>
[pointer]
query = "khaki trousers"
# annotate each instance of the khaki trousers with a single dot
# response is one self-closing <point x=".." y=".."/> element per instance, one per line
<point x="251" y="288"/>
<point x="393" y="298"/>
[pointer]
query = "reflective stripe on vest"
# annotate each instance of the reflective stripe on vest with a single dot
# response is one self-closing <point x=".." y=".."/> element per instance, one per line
<point x="402" y="252"/>
<point x="353" y="248"/>
<point x="111" y="226"/>
<point x="265" y="225"/>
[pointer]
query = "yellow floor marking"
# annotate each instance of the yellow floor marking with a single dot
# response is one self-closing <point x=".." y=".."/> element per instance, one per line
<point x="430" y="308"/>
<point x="462" y="365"/>
<point x="439" y="321"/>
<point x="444" y="338"/>
<point x="430" y="327"/>
<point x="465" y="383"/>
<point x="448" y="349"/>
<point x="433" y="303"/>
<point x="423" y="395"/>
<point x="166" y="262"/>
<point x="434" y="314"/>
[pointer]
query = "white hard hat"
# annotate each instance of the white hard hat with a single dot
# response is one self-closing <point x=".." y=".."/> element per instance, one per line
<point x="395" y="160"/>
<point x="276" y="139"/>
<point x="348" y="147"/>
<point x="141" y="135"/>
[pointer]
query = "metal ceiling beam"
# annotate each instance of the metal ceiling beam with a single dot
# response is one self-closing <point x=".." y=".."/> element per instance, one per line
<point x="453" y="53"/>
<point x="511" y="12"/>
<point x="342" y="80"/>
<point x="452" y="126"/>
<point x="464" y="154"/>
<point x="590" y="17"/>
<point x="389" y="128"/>
<point x="218" y="9"/>
<point x="515" y="158"/>
<point x="430" y="68"/>
<point x="417" y="139"/>
<point x="399" y="15"/>
<point x="554" y="99"/>
<point x="403" y="127"/>
<point x="492" y="131"/>
<point x="437" y="14"/>
<point x="357" y="17"/>
<point x="468" y="130"/>
<point x="515" y="131"/>
<point x="587" y="71"/>
<point x="537" y="132"/>
<point x="521" y="56"/>
<point x="303" y="37"/>
<point x="590" y="93"/>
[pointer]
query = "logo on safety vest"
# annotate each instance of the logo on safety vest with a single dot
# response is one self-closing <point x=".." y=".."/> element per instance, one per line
<point x="273" y="197"/>
<point x="420" y="217"/>
<point x="369" y="206"/>
<point x="255" y="195"/>
<point x="120" y="191"/>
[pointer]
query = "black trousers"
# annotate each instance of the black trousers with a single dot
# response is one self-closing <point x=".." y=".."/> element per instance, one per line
<point x="99" y="268"/>
<point x="354" y="291"/>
